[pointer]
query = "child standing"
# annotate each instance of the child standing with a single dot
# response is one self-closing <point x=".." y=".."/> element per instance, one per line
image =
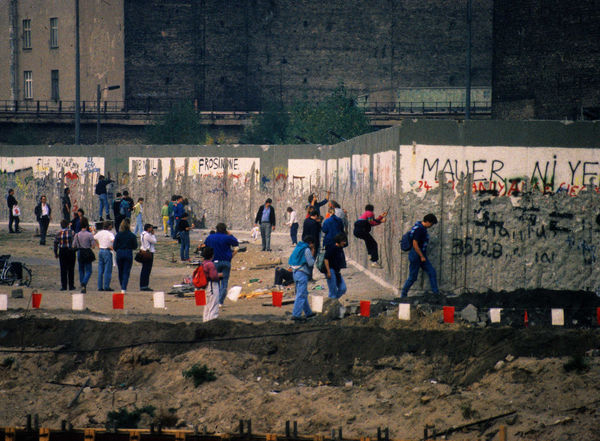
<point x="211" y="310"/>
<point x="362" y="230"/>
<point x="138" y="211"/>
<point x="302" y="261"/>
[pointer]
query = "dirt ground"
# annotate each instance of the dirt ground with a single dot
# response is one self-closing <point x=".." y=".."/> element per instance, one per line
<point x="356" y="373"/>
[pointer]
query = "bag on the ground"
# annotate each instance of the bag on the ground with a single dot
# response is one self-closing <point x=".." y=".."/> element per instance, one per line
<point x="361" y="227"/>
<point x="124" y="207"/>
<point x="406" y="243"/>
<point x="143" y="256"/>
<point x="320" y="261"/>
<point x="297" y="259"/>
<point x="199" y="279"/>
<point x="86" y="255"/>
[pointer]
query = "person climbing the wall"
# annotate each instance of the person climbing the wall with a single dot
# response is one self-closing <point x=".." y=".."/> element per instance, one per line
<point x="314" y="202"/>
<point x="362" y="230"/>
<point x="417" y="256"/>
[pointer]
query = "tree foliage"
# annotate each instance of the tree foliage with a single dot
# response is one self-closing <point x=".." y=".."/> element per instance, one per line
<point x="326" y="122"/>
<point x="180" y="126"/>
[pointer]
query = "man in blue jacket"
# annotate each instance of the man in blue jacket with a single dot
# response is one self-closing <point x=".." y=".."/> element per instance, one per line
<point x="225" y="246"/>
<point x="417" y="256"/>
<point x="332" y="226"/>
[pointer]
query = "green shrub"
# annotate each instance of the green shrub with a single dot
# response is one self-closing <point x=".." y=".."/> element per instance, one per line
<point x="180" y="126"/>
<point x="125" y="419"/>
<point x="199" y="374"/>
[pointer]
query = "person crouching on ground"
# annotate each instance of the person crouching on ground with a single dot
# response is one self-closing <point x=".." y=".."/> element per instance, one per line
<point x="417" y="256"/>
<point x="105" y="240"/>
<point x="124" y="245"/>
<point x="211" y="310"/>
<point x="83" y="243"/>
<point x="64" y="252"/>
<point x="148" y="241"/>
<point x="302" y="261"/>
<point x="183" y="228"/>
<point x="335" y="260"/>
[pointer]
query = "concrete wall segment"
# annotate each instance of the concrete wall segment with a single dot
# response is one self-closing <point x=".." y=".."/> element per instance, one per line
<point x="532" y="237"/>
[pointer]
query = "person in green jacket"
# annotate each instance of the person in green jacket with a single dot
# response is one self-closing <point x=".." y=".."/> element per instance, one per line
<point x="164" y="212"/>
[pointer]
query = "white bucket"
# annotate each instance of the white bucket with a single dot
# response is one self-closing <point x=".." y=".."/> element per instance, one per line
<point x="3" y="302"/>
<point x="317" y="303"/>
<point x="558" y="317"/>
<point x="342" y="312"/>
<point x="159" y="299"/>
<point x="78" y="302"/>
<point x="234" y="293"/>
<point x="495" y="315"/>
<point x="404" y="311"/>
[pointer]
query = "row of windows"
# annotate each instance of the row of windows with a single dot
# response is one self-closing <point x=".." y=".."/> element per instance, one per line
<point x="53" y="33"/>
<point x="28" y="85"/>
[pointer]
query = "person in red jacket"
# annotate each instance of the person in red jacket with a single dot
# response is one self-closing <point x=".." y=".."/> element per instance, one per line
<point x="211" y="310"/>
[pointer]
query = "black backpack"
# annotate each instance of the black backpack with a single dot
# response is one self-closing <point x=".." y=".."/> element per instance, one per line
<point x="406" y="243"/>
<point x="361" y="227"/>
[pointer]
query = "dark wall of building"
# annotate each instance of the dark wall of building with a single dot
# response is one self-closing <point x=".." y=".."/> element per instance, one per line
<point x="240" y="54"/>
<point x="546" y="59"/>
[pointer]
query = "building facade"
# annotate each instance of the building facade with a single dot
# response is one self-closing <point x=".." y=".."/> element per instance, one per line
<point x="39" y="49"/>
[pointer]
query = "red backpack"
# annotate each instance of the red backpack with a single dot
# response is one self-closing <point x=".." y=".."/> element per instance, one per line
<point x="199" y="278"/>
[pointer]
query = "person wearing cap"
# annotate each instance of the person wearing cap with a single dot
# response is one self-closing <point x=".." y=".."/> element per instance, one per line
<point x="265" y="217"/>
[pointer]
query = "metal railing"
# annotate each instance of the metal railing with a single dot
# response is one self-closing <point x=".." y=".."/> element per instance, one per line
<point x="157" y="106"/>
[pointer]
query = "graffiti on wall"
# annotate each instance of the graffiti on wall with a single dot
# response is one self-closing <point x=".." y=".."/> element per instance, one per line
<point x="504" y="170"/>
<point x="73" y="166"/>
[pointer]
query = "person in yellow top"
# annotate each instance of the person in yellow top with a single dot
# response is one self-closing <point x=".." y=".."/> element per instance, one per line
<point x="138" y="210"/>
<point x="164" y="212"/>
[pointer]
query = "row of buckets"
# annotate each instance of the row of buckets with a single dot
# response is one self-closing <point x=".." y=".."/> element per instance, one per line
<point x="118" y="302"/>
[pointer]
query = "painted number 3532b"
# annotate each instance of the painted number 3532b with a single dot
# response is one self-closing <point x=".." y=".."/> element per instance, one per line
<point x="476" y="247"/>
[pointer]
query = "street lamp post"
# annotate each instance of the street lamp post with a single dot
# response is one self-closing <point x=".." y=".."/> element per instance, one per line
<point x="98" y="96"/>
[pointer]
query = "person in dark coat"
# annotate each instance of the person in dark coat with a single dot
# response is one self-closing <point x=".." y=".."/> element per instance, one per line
<point x="66" y="205"/>
<point x="11" y="201"/>
<point x="43" y="214"/>
<point x="265" y="217"/>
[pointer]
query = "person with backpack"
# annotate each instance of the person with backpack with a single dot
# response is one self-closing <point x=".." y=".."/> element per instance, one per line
<point x="125" y="206"/>
<point x="362" y="230"/>
<point x="211" y="280"/>
<point x="302" y="261"/>
<point x="103" y="196"/>
<point x="335" y="260"/>
<point x="417" y="256"/>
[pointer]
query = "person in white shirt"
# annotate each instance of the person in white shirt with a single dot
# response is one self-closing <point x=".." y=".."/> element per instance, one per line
<point x="293" y="224"/>
<point x="104" y="238"/>
<point x="148" y="240"/>
<point x="43" y="214"/>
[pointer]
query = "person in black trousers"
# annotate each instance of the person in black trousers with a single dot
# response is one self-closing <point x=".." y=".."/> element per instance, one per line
<point x="312" y="228"/>
<point x="147" y="242"/>
<point x="66" y="204"/>
<point x="11" y="201"/>
<point x="43" y="214"/>
<point x="64" y="252"/>
<point x="124" y="244"/>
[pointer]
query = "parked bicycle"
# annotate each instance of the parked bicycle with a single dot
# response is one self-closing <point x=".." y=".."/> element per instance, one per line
<point x="13" y="272"/>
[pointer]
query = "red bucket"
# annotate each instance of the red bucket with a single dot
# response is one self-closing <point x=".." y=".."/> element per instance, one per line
<point x="598" y="315"/>
<point x="200" y="296"/>
<point x="277" y="298"/>
<point x="36" y="299"/>
<point x="365" y="308"/>
<point x="448" y="314"/>
<point x="118" y="300"/>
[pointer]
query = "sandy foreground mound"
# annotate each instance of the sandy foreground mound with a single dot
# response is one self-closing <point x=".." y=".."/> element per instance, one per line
<point x="356" y="374"/>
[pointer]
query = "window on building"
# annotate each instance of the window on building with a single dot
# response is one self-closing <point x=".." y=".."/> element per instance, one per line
<point x="54" y="85"/>
<point x="26" y="34"/>
<point x="28" y="85"/>
<point x="54" y="32"/>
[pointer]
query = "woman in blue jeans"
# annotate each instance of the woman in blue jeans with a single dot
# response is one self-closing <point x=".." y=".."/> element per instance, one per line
<point x="124" y="245"/>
